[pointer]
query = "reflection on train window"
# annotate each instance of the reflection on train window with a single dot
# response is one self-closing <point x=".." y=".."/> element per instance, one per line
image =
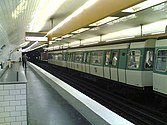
<point x="134" y="59"/>
<point x="149" y="59"/>
<point x="84" y="57"/>
<point x="68" y="56"/>
<point x="114" y="58"/>
<point x="161" y="64"/>
<point x="107" y="58"/>
<point x="50" y="56"/>
<point x="78" y="57"/>
<point x="88" y="57"/>
<point x="59" y="56"/>
<point x="97" y="58"/>
<point x="64" y="56"/>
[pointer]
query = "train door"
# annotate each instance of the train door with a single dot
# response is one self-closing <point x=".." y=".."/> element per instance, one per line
<point x="96" y="63"/>
<point x="72" y="60"/>
<point x="87" y="62"/>
<point x="78" y="61"/>
<point x="107" y="64"/>
<point x="160" y="68"/>
<point x="122" y="65"/>
<point x="114" y="65"/>
<point x="68" y="60"/>
<point x="84" y="61"/>
<point x="133" y="71"/>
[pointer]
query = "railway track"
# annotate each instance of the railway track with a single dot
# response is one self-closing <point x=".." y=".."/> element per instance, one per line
<point x="134" y="112"/>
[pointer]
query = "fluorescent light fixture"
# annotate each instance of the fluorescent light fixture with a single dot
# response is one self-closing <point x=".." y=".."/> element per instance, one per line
<point x="120" y="38"/>
<point x="59" y="39"/>
<point x="80" y="30"/>
<point x="158" y="33"/>
<point x="19" y="9"/>
<point x="66" y="36"/>
<point x="28" y="48"/>
<point x="143" y="5"/>
<point x="123" y="19"/>
<point x="38" y="47"/>
<point x="32" y="38"/>
<point x="75" y="46"/>
<point x="51" y="42"/>
<point x="24" y="44"/>
<point x="103" y="21"/>
<point x="90" y="43"/>
<point x="74" y="14"/>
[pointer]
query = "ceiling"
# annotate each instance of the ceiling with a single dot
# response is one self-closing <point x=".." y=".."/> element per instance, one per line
<point x="20" y="18"/>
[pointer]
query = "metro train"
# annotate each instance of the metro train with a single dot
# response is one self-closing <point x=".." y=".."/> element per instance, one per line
<point x="140" y="64"/>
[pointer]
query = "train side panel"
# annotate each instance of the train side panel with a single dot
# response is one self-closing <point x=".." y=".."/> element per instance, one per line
<point x="160" y="67"/>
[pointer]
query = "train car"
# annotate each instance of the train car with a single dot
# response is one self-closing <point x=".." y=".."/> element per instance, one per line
<point x="140" y="63"/>
<point x="57" y="58"/>
<point x="128" y="63"/>
<point x="160" y="67"/>
<point x="75" y="59"/>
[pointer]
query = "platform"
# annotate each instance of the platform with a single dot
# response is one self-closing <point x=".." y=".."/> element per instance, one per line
<point x="94" y="112"/>
<point x="46" y="106"/>
<point x="14" y="74"/>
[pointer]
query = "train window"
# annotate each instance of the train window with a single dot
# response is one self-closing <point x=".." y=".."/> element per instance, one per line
<point x="68" y="56"/>
<point x="88" y="57"/>
<point x="60" y="56"/>
<point x="84" y="57"/>
<point x="134" y="59"/>
<point x="78" y="57"/>
<point x="64" y="56"/>
<point x="107" y="58"/>
<point x="114" y="58"/>
<point x="149" y="59"/>
<point x="161" y="64"/>
<point x="50" y="56"/>
<point x="72" y="57"/>
<point x="97" y="58"/>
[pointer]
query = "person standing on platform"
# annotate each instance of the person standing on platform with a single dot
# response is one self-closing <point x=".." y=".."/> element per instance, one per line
<point x="24" y="59"/>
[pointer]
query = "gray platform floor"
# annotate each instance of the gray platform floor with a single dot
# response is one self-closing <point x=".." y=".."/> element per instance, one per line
<point x="46" y="106"/>
<point x="11" y="75"/>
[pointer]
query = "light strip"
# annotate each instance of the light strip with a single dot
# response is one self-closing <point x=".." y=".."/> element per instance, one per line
<point x="120" y="38"/>
<point x="31" y="38"/>
<point x="80" y="30"/>
<point x="103" y="21"/>
<point x="30" y="46"/>
<point x="90" y="43"/>
<point x="24" y="44"/>
<point x="38" y="47"/>
<point x="75" y="13"/>
<point x="143" y="5"/>
<point x="66" y="36"/>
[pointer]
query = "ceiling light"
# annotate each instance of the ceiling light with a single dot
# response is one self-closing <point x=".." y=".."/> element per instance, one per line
<point x="90" y="43"/>
<point x="66" y="36"/>
<point x="80" y="30"/>
<point x="123" y="19"/>
<point x="33" y="38"/>
<point x="74" y="14"/>
<point x="120" y="38"/>
<point x="143" y="5"/>
<point x="58" y="39"/>
<point x="103" y="21"/>
<point x="24" y="44"/>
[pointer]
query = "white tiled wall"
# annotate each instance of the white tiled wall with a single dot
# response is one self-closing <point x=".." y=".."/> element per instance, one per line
<point x="13" y="109"/>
